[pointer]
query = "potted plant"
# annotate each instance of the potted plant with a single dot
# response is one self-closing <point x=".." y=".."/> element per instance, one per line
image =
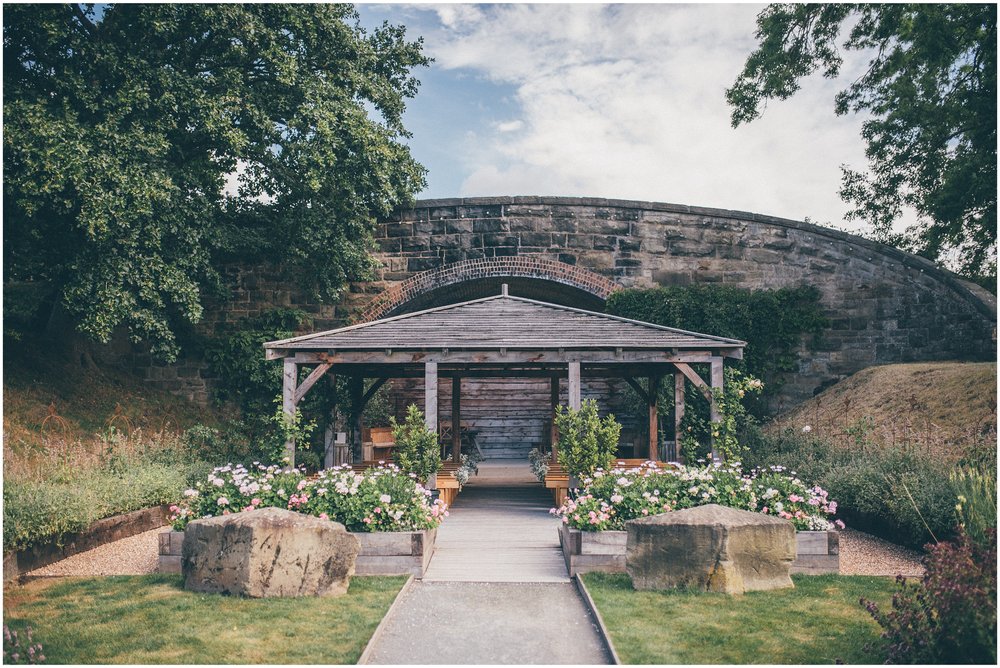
<point x="586" y="442"/>
<point x="417" y="449"/>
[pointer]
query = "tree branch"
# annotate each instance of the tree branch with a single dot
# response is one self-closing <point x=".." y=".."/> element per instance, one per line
<point x="89" y="25"/>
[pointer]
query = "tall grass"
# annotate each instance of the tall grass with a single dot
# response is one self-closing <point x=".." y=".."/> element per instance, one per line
<point x="976" y="490"/>
<point x="69" y="485"/>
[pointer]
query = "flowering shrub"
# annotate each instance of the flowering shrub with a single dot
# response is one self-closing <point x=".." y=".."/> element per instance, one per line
<point x="539" y="462"/>
<point x="950" y="616"/>
<point x="15" y="653"/>
<point x="379" y="499"/>
<point x="610" y="498"/>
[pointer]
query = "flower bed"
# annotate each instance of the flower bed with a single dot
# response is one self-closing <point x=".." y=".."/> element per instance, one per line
<point x="378" y="499"/>
<point x="593" y="536"/>
<point x="388" y="510"/>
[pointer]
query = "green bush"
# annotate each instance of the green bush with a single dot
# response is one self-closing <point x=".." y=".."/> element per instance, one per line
<point x="898" y="494"/>
<point x="976" y="489"/>
<point x="35" y="512"/>
<point x="586" y="442"/>
<point x="417" y="450"/>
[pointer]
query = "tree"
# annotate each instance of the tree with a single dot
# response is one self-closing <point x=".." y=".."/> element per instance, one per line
<point x="930" y="92"/>
<point x="123" y="124"/>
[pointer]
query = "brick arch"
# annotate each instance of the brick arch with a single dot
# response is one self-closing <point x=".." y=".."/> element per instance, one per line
<point x="536" y="268"/>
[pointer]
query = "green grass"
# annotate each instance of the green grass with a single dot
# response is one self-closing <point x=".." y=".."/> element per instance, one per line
<point x="819" y="621"/>
<point x="152" y="619"/>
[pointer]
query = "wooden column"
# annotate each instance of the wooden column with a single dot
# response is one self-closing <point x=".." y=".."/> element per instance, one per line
<point x="553" y="430"/>
<point x="289" y="383"/>
<point x="330" y="435"/>
<point x="431" y="395"/>
<point x="574" y="385"/>
<point x="654" y="418"/>
<point x="678" y="412"/>
<point x="456" y="419"/>
<point x="356" y="387"/>
<point x="717" y="382"/>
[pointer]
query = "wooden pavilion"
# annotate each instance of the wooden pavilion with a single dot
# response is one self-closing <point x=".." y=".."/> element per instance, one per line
<point x="503" y="336"/>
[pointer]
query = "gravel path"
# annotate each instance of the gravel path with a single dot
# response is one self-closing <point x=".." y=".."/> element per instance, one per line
<point x="135" y="555"/>
<point x="860" y="554"/>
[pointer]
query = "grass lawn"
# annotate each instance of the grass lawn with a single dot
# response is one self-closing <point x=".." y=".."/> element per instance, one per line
<point x="152" y="619"/>
<point x="819" y="621"/>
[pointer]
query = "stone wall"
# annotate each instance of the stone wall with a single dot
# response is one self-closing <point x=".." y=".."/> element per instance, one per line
<point x="884" y="305"/>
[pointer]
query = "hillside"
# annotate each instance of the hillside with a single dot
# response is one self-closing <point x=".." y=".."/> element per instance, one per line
<point x="944" y="406"/>
<point x="84" y="402"/>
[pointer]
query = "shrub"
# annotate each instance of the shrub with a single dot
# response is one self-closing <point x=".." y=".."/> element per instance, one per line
<point x="417" y="450"/>
<point x="586" y="442"/>
<point x="15" y="653"/>
<point x="379" y="499"/>
<point x="950" y="616"/>
<point x="896" y="493"/>
<point x="976" y="491"/>
<point x="539" y="462"/>
<point x="611" y="498"/>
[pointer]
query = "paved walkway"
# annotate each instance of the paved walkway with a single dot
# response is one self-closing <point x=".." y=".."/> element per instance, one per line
<point x="496" y="590"/>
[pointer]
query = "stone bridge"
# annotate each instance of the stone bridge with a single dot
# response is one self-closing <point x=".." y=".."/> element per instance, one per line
<point x="884" y="305"/>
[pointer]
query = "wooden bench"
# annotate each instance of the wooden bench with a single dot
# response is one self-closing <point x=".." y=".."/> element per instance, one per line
<point x="377" y="444"/>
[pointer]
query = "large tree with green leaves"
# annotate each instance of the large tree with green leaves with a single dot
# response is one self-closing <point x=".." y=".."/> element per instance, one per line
<point x="930" y="96"/>
<point x="123" y="125"/>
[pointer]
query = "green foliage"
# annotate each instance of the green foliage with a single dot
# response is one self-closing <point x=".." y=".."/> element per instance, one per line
<point x="896" y="493"/>
<point x="950" y="616"/>
<point x="586" y="442"/>
<point x="17" y="653"/>
<point x="929" y="95"/>
<point x="124" y="123"/>
<point x="289" y="428"/>
<point x="417" y="450"/>
<point x="35" y="512"/>
<point x="774" y="323"/>
<point x="697" y="431"/>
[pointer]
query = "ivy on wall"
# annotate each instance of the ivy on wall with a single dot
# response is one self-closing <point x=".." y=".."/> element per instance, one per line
<point x="774" y="323"/>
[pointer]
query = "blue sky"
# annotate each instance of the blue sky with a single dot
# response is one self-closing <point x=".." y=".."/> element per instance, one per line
<point x="621" y="101"/>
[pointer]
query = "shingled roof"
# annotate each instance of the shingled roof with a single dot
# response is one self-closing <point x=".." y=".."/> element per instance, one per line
<point x="504" y="322"/>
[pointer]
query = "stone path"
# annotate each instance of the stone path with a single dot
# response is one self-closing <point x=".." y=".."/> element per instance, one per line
<point x="496" y="590"/>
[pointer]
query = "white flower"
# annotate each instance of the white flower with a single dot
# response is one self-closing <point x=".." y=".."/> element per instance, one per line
<point x="190" y="492"/>
<point x="385" y="498"/>
<point x="223" y="501"/>
<point x="617" y="498"/>
<point x="806" y="429"/>
<point x="218" y="482"/>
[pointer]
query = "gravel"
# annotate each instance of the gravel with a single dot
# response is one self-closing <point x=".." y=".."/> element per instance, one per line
<point x="860" y="554"/>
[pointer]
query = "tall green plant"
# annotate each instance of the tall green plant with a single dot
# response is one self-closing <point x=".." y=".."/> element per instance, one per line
<point x="586" y="442"/>
<point x="417" y="450"/>
<point x="977" y="502"/>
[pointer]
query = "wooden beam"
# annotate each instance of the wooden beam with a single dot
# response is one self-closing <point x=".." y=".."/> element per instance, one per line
<point x="718" y="379"/>
<point x="289" y="378"/>
<point x="456" y="419"/>
<point x="678" y="412"/>
<point x="370" y="392"/>
<point x="431" y="396"/>
<point x="654" y="418"/>
<point x="553" y="430"/>
<point x="574" y="386"/>
<point x="310" y="380"/>
<point x="510" y="356"/>
<point x="696" y="379"/>
<point x="643" y="395"/>
<point x="356" y="386"/>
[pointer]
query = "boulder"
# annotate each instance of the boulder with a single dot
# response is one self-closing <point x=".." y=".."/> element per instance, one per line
<point x="268" y="553"/>
<point x="712" y="548"/>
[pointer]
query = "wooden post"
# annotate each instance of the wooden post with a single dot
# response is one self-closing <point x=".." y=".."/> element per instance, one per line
<point x="330" y="435"/>
<point x="289" y="382"/>
<point x="717" y="382"/>
<point x="654" y="418"/>
<point x="456" y="419"/>
<point x="553" y="430"/>
<point x="431" y="395"/>
<point x="574" y="386"/>
<point x="678" y="412"/>
<point x="357" y="389"/>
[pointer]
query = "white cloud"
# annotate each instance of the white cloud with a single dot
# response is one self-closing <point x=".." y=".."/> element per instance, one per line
<point x="627" y="101"/>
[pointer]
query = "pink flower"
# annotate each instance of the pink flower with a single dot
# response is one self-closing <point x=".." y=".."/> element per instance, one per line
<point x="378" y="509"/>
<point x="324" y="516"/>
<point x="764" y="510"/>
<point x="302" y="485"/>
<point x="367" y="520"/>
<point x="255" y="502"/>
<point x="840" y="525"/>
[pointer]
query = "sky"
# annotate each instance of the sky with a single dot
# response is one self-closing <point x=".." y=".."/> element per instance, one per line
<point x="618" y="101"/>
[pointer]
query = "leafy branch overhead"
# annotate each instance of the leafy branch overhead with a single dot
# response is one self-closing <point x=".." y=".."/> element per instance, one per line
<point x="929" y="95"/>
<point x="147" y="145"/>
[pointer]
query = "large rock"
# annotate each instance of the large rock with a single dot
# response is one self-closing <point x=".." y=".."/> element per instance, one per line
<point x="269" y="552"/>
<point x="712" y="548"/>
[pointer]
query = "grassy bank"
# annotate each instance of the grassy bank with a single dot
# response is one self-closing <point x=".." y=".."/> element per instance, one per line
<point x="152" y="620"/>
<point x="819" y="621"/>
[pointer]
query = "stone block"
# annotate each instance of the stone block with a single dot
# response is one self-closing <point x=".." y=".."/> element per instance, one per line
<point x="712" y="548"/>
<point x="269" y="553"/>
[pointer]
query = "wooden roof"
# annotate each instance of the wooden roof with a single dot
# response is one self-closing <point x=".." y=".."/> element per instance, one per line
<point x="504" y="322"/>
